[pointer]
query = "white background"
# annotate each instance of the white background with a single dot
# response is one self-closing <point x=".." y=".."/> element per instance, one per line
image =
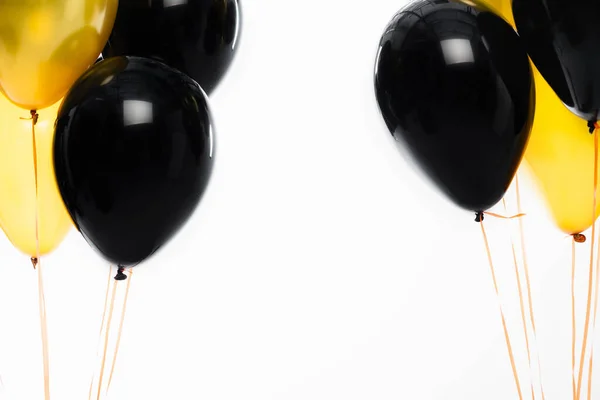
<point x="319" y="266"/>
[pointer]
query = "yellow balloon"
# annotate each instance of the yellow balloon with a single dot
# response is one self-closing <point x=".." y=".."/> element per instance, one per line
<point x="560" y="152"/>
<point x="17" y="181"/>
<point x="561" y="156"/>
<point x="45" y="45"/>
<point x="500" y="7"/>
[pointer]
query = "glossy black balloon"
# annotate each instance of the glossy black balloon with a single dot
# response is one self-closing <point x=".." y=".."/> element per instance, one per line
<point x="455" y="88"/>
<point x="198" y="37"/>
<point x="133" y="154"/>
<point x="563" y="40"/>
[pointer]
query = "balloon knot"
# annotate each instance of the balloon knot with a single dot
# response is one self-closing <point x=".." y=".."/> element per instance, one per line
<point x="579" y="237"/>
<point x="34" y="116"/>
<point x="34" y="262"/>
<point x="592" y="125"/>
<point x="479" y="216"/>
<point x="120" y="274"/>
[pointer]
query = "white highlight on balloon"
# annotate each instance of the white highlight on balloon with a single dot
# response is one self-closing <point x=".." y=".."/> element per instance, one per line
<point x="137" y="112"/>
<point x="457" y="51"/>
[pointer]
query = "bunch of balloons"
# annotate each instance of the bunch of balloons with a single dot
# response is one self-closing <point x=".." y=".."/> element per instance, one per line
<point x="122" y="148"/>
<point x="456" y="88"/>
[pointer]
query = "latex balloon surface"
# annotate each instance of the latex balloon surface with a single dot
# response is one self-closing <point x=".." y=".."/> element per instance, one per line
<point x="560" y="153"/>
<point x="45" y="45"/>
<point x="197" y="37"/>
<point x="561" y="156"/>
<point x="17" y="181"/>
<point x="455" y="88"/>
<point x="563" y="38"/>
<point x="133" y="155"/>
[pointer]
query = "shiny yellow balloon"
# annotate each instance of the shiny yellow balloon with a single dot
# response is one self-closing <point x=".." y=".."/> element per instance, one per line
<point x="561" y="156"/>
<point x="45" y="45"/>
<point x="560" y="152"/>
<point x="500" y="7"/>
<point x="18" y="185"/>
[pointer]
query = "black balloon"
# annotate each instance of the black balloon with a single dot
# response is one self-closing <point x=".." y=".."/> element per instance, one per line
<point x="198" y="37"/>
<point x="133" y="154"/>
<point x="455" y="88"/>
<point x="563" y="40"/>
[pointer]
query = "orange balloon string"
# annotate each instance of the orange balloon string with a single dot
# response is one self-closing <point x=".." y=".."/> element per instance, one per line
<point x="38" y="265"/>
<point x="573" y="320"/>
<point x="106" y="337"/>
<point x="506" y="335"/>
<point x="528" y="282"/>
<point x="591" y="273"/>
<point x="597" y="283"/>
<point x="120" y="332"/>
<point x="491" y="214"/>
<point x="101" y="328"/>
<point x="522" y="306"/>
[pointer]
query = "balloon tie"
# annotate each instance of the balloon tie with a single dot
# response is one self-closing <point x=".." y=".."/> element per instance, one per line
<point x="34" y="117"/>
<point x="479" y="217"/>
<point x="579" y="237"/>
<point x="120" y="274"/>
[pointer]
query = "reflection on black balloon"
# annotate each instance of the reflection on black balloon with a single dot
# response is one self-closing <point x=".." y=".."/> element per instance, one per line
<point x="563" y="38"/>
<point x="133" y="155"/>
<point x="198" y="37"/>
<point x="455" y="88"/>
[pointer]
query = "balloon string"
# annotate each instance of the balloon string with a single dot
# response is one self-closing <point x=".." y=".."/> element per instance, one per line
<point x="573" y="320"/>
<point x="491" y="214"/>
<point x="591" y="360"/>
<point x="106" y="337"/>
<point x="528" y="283"/>
<point x="506" y="335"/>
<point x="597" y="283"/>
<point x="101" y="328"/>
<point x="37" y="264"/>
<point x="44" y="326"/>
<point x="120" y="332"/>
<point x="591" y="272"/>
<point x="522" y="306"/>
